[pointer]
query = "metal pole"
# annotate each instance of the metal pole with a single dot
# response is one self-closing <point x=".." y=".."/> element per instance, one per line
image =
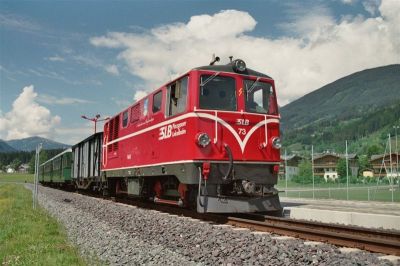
<point x="286" y="176"/>
<point x="347" y="172"/>
<point x="34" y="180"/>
<point x="391" y="167"/>
<point x="397" y="156"/>
<point x="368" y="194"/>
<point x="38" y="148"/>
<point x="312" y="170"/>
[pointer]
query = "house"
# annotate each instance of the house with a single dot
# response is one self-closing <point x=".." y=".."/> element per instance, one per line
<point x="9" y="169"/>
<point x="368" y="173"/>
<point x="292" y="166"/>
<point x="385" y="165"/>
<point x="325" y="165"/>
<point x="23" y="168"/>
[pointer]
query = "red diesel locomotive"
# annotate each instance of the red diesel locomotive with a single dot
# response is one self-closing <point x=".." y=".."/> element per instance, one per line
<point x="208" y="139"/>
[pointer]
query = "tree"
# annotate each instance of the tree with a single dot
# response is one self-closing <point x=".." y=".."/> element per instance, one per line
<point x="374" y="149"/>
<point x="363" y="164"/>
<point x="305" y="173"/>
<point x="341" y="170"/>
<point x="15" y="163"/>
<point x="42" y="158"/>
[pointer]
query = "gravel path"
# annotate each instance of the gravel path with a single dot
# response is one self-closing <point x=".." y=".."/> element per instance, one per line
<point x="124" y="235"/>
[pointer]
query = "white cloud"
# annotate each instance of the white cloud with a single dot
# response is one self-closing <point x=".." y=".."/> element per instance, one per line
<point x="27" y="118"/>
<point x="112" y="69"/>
<point x="348" y="2"/>
<point x="321" y="50"/>
<point x="139" y="94"/>
<point x="55" y="58"/>
<point x="17" y="22"/>
<point x="48" y="99"/>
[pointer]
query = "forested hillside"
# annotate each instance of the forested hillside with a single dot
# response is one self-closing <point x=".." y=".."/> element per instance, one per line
<point x="345" y="98"/>
<point x="361" y="108"/>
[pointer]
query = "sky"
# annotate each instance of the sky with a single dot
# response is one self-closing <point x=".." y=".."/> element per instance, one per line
<point x="60" y="60"/>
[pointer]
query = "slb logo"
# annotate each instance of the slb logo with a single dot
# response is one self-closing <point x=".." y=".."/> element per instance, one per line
<point x="242" y="122"/>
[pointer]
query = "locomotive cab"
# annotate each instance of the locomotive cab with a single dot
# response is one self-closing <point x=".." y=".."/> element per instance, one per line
<point x="241" y="160"/>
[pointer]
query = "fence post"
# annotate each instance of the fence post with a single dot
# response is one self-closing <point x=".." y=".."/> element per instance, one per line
<point x="329" y="192"/>
<point x="368" y="194"/>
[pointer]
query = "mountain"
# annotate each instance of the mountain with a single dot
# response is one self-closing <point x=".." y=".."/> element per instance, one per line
<point x="345" y="98"/>
<point x="30" y="144"/>
<point x="4" y="147"/>
<point x="362" y="108"/>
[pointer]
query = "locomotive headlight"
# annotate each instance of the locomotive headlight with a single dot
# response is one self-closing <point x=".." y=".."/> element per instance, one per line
<point x="203" y="139"/>
<point x="276" y="143"/>
<point x="239" y="65"/>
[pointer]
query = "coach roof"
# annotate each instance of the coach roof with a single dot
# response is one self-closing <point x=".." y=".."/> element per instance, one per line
<point x="228" y="68"/>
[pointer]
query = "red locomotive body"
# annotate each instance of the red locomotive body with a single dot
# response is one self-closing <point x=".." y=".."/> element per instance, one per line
<point x="209" y="139"/>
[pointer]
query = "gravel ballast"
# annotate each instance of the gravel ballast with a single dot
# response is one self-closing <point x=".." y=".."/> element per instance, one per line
<point x="119" y="234"/>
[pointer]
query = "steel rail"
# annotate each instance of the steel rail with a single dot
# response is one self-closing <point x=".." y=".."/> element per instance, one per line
<point x="381" y="241"/>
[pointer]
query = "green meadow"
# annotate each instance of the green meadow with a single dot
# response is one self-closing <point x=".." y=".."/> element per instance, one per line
<point x="27" y="236"/>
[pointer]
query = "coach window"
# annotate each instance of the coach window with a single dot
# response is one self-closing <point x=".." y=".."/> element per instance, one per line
<point x="125" y="119"/>
<point x="157" y="98"/>
<point x="217" y="93"/>
<point x="177" y="97"/>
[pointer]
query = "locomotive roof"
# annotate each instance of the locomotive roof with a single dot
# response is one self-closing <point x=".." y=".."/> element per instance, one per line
<point x="228" y="68"/>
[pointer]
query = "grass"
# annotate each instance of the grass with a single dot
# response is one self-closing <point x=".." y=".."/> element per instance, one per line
<point x="31" y="237"/>
<point x="17" y="177"/>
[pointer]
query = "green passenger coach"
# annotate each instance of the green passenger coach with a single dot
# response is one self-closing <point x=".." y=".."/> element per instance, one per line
<point x="57" y="170"/>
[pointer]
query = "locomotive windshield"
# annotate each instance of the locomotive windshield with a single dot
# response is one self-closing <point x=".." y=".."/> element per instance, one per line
<point x="259" y="97"/>
<point x="217" y="92"/>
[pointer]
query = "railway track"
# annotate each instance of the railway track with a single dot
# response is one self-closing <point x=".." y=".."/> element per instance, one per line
<point x="380" y="241"/>
<point x="375" y="240"/>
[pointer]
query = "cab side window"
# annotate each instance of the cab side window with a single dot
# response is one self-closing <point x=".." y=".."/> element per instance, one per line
<point x="157" y="98"/>
<point x="125" y="119"/>
<point x="177" y="97"/>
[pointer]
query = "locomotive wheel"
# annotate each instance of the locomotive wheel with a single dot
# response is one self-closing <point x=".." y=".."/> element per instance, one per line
<point x="183" y="193"/>
<point x="157" y="188"/>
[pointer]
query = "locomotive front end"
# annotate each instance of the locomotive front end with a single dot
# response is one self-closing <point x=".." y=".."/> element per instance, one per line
<point x="238" y="144"/>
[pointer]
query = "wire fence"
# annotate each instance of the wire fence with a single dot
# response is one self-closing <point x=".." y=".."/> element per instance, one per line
<point x="361" y="193"/>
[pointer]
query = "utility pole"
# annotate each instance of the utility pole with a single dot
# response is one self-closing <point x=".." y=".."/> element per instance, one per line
<point x="36" y="177"/>
<point x="286" y="176"/>
<point x="347" y="172"/>
<point x="397" y="155"/>
<point x="391" y="167"/>
<point x="312" y="170"/>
